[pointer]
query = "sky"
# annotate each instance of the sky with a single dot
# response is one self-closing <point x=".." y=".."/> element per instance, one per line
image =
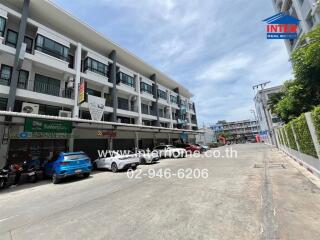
<point x="217" y="49"/>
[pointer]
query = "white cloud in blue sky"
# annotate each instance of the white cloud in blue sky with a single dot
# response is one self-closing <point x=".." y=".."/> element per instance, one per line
<point x="218" y="49"/>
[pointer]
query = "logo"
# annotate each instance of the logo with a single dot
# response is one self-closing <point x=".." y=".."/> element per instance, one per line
<point x="282" y="26"/>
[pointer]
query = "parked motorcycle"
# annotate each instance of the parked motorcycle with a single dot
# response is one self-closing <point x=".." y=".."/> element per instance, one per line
<point x="4" y="176"/>
<point x="31" y="172"/>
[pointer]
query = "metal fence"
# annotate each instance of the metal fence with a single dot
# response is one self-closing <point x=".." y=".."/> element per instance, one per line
<point x="299" y="139"/>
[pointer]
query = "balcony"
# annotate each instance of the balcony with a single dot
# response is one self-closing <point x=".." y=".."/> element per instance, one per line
<point x="52" y="90"/>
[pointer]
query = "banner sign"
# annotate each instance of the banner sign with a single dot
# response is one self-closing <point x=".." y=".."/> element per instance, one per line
<point x="45" y="125"/>
<point x="82" y="92"/>
<point x="96" y="107"/>
<point x="110" y="134"/>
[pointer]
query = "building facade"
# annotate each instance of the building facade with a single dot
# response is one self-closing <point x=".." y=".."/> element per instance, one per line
<point x="206" y="136"/>
<point x="52" y="64"/>
<point x="237" y="131"/>
<point x="266" y="119"/>
<point x="307" y="11"/>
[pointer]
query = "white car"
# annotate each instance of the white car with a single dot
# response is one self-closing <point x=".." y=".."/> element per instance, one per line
<point x="170" y="151"/>
<point x="115" y="161"/>
<point x="148" y="157"/>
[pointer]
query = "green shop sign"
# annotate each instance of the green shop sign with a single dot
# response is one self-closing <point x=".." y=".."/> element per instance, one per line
<point x="48" y="126"/>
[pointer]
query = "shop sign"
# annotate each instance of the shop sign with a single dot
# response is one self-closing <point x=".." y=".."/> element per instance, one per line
<point x="47" y="126"/>
<point x="82" y="94"/>
<point x="110" y="134"/>
<point x="96" y="107"/>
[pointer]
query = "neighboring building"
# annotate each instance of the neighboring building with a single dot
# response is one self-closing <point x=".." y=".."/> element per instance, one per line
<point x="237" y="131"/>
<point x="307" y="11"/>
<point x="266" y="119"/>
<point x="50" y="60"/>
<point x="206" y="136"/>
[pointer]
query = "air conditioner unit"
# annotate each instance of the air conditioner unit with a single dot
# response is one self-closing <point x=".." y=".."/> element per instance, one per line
<point x="66" y="114"/>
<point x="30" y="108"/>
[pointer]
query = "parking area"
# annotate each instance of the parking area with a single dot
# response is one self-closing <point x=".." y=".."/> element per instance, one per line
<point x="257" y="195"/>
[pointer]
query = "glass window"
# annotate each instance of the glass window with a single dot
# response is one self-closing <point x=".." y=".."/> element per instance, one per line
<point x="95" y="66"/>
<point x="23" y="79"/>
<point x="29" y="42"/>
<point x="162" y="94"/>
<point x="144" y="108"/>
<point x="93" y="92"/>
<point x="3" y="104"/>
<point x="174" y="99"/>
<point x="126" y="79"/>
<point x="2" y="26"/>
<point x="52" y="48"/>
<point x="12" y="38"/>
<point x="49" y="110"/>
<point x="123" y="103"/>
<point x="5" y="75"/>
<point x="144" y="87"/>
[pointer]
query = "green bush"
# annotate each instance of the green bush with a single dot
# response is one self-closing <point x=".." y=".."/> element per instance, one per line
<point x="291" y="141"/>
<point x="303" y="136"/>
<point x="316" y="120"/>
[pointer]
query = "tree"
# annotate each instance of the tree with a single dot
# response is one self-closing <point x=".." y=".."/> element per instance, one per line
<point x="303" y="93"/>
<point x="306" y="64"/>
<point x="274" y="98"/>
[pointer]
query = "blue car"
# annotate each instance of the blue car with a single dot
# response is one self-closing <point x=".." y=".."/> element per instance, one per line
<point x="68" y="164"/>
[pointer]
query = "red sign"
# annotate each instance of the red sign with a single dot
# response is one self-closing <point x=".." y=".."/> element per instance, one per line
<point x="110" y="134"/>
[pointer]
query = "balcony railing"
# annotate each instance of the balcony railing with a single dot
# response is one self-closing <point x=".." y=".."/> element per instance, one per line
<point x="52" y="90"/>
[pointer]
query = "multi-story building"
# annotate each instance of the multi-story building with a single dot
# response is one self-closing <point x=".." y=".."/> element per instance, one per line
<point x="307" y="11"/>
<point x="237" y="131"/>
<point x="267" y="120"/>
<point x="50" y="60"/>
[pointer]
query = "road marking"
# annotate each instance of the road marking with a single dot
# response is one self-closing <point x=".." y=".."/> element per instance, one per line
<point x="4" y="219"/>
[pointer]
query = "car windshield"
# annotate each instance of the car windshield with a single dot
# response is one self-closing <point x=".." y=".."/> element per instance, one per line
<point x="75" y="156"/>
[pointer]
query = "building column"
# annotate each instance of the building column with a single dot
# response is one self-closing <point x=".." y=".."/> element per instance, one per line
<point x="170" y="111"/>
<point x="153" y="77"/>
<point x="77" y="62"/>
<point x="113" y="78"/>
<point x="137" y="80"/>
<point x="19" y="56"/>
<point x="136" y="141"/>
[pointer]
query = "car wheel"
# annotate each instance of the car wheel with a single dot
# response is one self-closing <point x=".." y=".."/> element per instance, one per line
<point x="134" y="168"/>
<point x="55" y="179"/>
<point x="114" y="167"/>
<point x="94" y="166"/>
<point x="86" y="175"/>
<point x="143" y="161"/>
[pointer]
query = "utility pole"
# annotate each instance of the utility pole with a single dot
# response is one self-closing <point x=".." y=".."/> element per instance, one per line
<point x="261" y="86"/>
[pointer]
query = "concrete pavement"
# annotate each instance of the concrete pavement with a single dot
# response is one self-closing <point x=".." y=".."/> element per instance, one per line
<point x="258" y="195"/>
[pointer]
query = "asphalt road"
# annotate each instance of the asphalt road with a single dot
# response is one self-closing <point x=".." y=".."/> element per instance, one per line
<point x="257" y="195"/>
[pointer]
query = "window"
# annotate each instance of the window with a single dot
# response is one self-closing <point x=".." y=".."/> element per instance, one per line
<point x="126" y="79"/>
<point x="3" y="104"/>
<point x="23" y="79"/>
<point x="123" y="103"/>
<point x="51" y="48"/>
<point x="2" y="26"/>
<point x="144" y="108"/>
<point x="95" y="66"/>
<point x="47" y="85"/>
<point x="93" y="92"/>
<point x="12" y="38"/>
<point x="162" y="94"/>
<point x="174" y="99"/>
<point x="5" y="75"/>
<point x="144" y="87"/>
<point x="29" y="42"/>
<point x="49" y="110"/>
